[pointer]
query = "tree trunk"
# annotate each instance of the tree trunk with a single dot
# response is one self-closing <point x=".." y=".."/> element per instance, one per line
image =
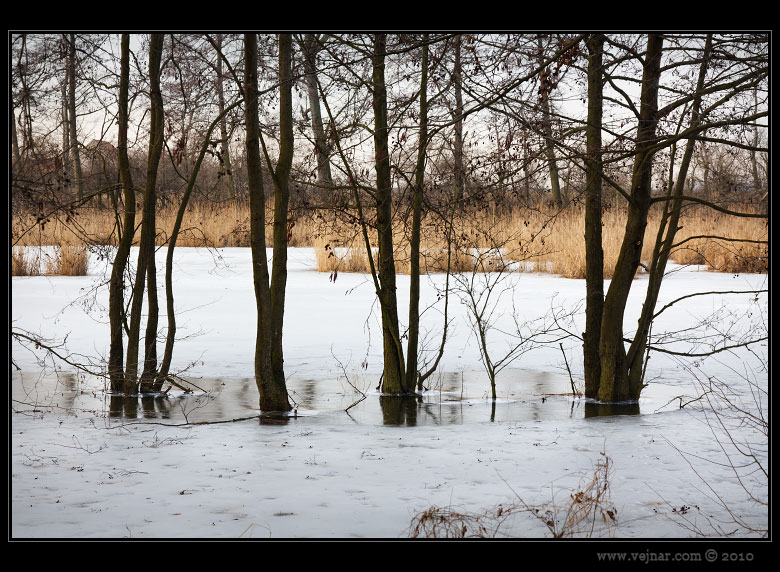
<point x="414" y="242"/>
<point x="257" y="218"/>
<point x="15" y="141"/>
<point x="25" y="113"/>
<point x="116" y="304"/>
<point x="324" y="177"/>
<point x="457" y="80"/>
<point x="225" y="144"/>
<point x="149" y="231"/>
<point x="549" y="146"/>
<point x="614" y="384"/>
<point x="753" y="153"/>
<point x="64" y="112"/>
<point x="273" y="393"/>
<point x="281" y="200"/>
<point x="663" y="246"/>
<point x="594" y="259"/>
<point x="74" y="144"/>
<point x="146" y="271"/>
<point x="394" y="371"/>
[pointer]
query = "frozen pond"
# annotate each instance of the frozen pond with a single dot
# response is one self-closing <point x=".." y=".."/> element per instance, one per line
<point x="85" y="464"/>
<point x="455" y="399"/>
<point x="81" y="470"/>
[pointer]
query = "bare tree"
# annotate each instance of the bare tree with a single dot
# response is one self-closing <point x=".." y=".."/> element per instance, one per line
<point x="146" y="271"/>
<point x="117" y="315"/>
<point x="394" y="372"/>
<point x="311" y="46"/>
<point x="269" y="373"/>
<point x="74" y="142"/>
<point x="621" y="371"/>
<point x="545" y="88"/>
<point x="594" y="262"/>
<point x="223" y="130"/>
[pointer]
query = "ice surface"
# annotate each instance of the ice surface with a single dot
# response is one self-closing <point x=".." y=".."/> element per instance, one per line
<point x="76" y="471"/>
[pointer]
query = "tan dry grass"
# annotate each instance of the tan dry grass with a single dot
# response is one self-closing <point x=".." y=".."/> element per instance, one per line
<point x="20" y="265"/>
<point x="722" y="255"/>
<point x="562" y="249"/>
<point x="68" y="261"/>
<point x="350" y="258"/>
<point x="64" y="261"/>
<point x="538" y="240"/>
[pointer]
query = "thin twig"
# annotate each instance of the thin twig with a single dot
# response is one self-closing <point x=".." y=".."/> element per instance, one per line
<point x="571" y="379"/>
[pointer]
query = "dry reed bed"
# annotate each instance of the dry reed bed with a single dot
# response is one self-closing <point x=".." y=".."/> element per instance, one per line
<point x="57" y="261"/>
<point x="530" y="240"/>
<point x="555" y="243"/>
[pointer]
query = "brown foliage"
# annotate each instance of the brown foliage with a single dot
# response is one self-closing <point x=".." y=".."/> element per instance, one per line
<point x="539" y="240"/>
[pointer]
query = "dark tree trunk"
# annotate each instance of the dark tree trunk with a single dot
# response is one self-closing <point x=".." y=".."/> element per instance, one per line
<point x="257" y="219"/>
<point x="281" y="200"/>
<point x="394" y="371"/>
<point x="663" y="246"/>
<point x="614" y="384"/>
<point x="594" y="259"/>
<point x="273" y="392"/>
<point x="25" y="113"/>
<point x="414" y="242"/>
<point x="116" y="302"/>
<point x="149" y="231"/>
<point x="146" y="272"/>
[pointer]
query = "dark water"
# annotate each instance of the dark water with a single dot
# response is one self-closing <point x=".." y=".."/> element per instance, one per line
<point x="454" y="398"/>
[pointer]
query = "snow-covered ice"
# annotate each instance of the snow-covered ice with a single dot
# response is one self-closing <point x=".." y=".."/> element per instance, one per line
<point x="79" y="472"/>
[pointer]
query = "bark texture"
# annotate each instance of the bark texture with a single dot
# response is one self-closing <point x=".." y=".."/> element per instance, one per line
<point x="614" y="384"/>
<point x="394" y="372"/>
<point x="146" y="245"/>
<point x="414" y="242"/>
<point x="273" y="392"/>
<point x="116" y="304"/>
<point x="594" y="261"/>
